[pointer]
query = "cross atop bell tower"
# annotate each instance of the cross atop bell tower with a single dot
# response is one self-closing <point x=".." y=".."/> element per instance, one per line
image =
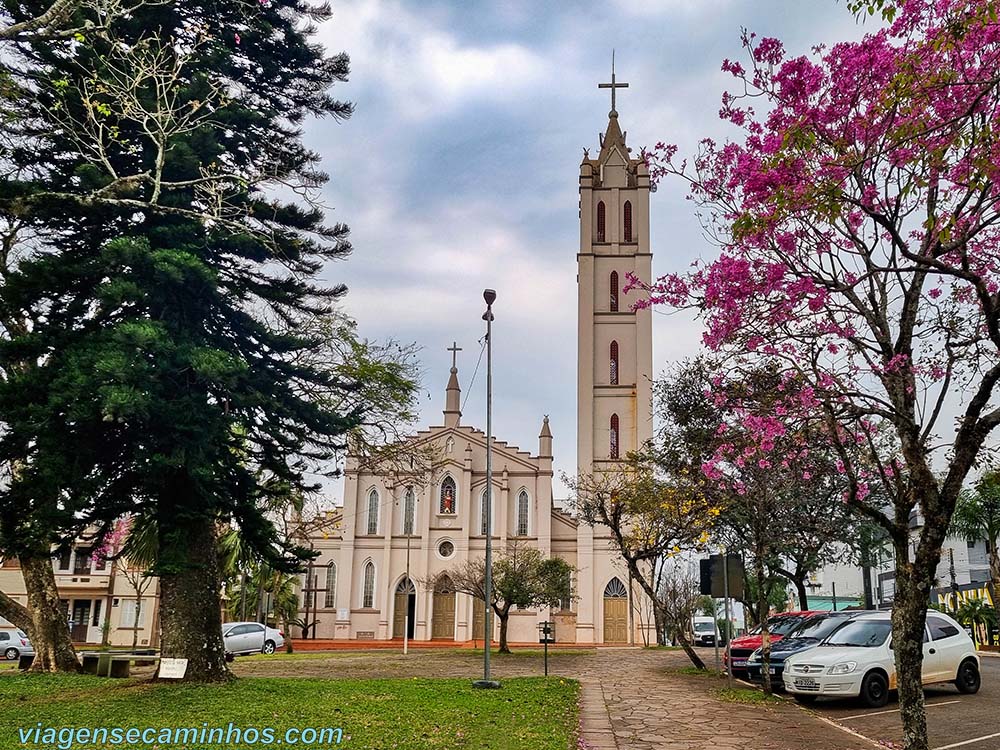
<point x="453" y="393"/>
<point x="613" y="86"/>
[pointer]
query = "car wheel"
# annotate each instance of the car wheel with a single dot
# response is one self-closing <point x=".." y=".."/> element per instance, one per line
<point x="875" y="690"/>
<point x="11" y="654"/>
<point x="268" y="647"/>
<point x="968" y="680"/>
<point x="805" y="700"/>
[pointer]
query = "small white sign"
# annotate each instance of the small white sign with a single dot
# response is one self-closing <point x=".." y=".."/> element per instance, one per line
<point x="173" y="669"/>
<point x="342" y="614"/>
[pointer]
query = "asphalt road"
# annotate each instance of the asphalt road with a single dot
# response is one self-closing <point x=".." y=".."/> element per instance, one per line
<point x="969" y="722"/>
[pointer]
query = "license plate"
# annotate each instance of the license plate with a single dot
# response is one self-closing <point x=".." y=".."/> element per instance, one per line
<point x="805" y="682"/>
<point x="739" y="662"/>
<point x="772" y="670"/>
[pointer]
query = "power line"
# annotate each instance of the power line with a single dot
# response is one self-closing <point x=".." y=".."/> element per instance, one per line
<point x="475" y="372"/>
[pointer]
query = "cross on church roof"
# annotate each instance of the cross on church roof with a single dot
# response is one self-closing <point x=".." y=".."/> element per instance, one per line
<point x="613" y="85"/>
<point x="454" y="349"/>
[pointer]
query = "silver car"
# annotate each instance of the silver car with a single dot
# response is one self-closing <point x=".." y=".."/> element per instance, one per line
<point x="14" y="643"/>
<point x="251" y="638"/>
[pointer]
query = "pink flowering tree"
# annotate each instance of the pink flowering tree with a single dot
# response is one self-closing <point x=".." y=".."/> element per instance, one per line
<point x="857" y="215"/>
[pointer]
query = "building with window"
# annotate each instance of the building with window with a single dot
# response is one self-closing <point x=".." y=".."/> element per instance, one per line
<point x="95" y="593"/>
<point x="359" y="588"/>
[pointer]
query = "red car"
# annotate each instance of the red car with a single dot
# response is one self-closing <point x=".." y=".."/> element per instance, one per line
<point x="777" y="627"/>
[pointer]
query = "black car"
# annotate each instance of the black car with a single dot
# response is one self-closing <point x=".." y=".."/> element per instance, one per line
<point x="810" y="632"/>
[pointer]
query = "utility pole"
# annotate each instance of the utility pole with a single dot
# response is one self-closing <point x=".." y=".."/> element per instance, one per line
<point x="490" y="296"/>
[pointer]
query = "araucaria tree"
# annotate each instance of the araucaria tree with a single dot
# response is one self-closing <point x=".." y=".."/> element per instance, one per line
<point x="166" y="289"/>
<point x="859" y="224"/>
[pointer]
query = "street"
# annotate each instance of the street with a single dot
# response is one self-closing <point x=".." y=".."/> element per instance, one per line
<point x="953" y="720"/>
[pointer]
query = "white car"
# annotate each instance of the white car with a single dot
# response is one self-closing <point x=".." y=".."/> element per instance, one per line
<point x="251" y="638"/>
<point x="14" y="643"/>
<point x="857" y="660"/>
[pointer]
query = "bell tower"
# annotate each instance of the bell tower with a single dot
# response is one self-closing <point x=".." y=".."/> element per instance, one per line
<point x="615" y="343"/>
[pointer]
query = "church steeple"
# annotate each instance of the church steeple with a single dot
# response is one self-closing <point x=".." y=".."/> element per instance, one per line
<point x="453" y="393"/>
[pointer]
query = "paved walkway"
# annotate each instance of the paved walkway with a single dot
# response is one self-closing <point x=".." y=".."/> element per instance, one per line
<point x="637" y="700"/>
<point x="631" y="699"/>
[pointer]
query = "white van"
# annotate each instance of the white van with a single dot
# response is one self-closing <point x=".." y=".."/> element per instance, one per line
<point x="705" y="630"/>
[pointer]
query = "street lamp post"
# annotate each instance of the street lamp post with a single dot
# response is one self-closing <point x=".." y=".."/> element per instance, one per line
<point x="490" y="296"/>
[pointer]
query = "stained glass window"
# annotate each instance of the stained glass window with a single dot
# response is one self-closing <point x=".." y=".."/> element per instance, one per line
<point x="614" y="363"/>
<point x="372" y="512"/>
<point x="600" y="222"/>
<point x="614" y="291"/>
<point x="522" y="514"/>
<point x="628" y="222"/>
<point x="448" y="494"/>
<point x="368" y="595"/>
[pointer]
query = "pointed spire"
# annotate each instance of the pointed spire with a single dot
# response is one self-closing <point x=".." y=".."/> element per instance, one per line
<point x="545" y="439"/>
<point x="453" y="393"/>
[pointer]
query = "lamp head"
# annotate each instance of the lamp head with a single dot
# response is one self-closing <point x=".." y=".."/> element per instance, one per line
<point x="490" y="296"/>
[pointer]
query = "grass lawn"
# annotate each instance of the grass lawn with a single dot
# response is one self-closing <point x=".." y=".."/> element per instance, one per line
<point x="390" y="714"/>
<point x="751" y="696"/>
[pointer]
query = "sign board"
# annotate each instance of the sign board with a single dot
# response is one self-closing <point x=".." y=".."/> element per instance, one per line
<point x="173" y="669"/>
<point x="712" y="581"/>
<point x="342" y="614"/>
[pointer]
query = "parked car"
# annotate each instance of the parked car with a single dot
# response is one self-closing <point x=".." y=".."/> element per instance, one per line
<point x="809" y="633"/>
<point x="857" y="660"/>
<point x="705" y="631"/>
<point x="777" y="626"/>
<point x="251" y="638"/>
<point x="14" y="643"/>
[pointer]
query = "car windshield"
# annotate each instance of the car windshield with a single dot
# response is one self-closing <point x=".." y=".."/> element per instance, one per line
<point x="861" y="633"/>
<point x="704" y="627"/>
<point x="781" y="625"/>
<point x="817" y="627"/>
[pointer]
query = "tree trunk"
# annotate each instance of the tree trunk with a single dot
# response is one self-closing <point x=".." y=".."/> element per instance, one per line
<point x="800" y="588"/>
<point x="661" y="626"/>
<point x="15" y="613"/>
<point x="763" y="598"/>
<point x="109" y="601"/>
<point x="994" y="587"/>
<point x="135" y="621"/>
<point x="49" y="631"/>
<point x="190" y="605"/>
<point x="909" y="610"/>
<point x="691" y="653"/>
<point x="503" y="616"/>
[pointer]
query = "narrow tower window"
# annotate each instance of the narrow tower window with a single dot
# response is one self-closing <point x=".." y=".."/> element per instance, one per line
<point x="372" y="513"/>
<point x="409" y="505"/>
<point x="614" y="291"/>
<point x="368" y="591"/>
<point x="330" y="599"/>
<point x="483" y="517"/>
<point x="628" y="221"/>
<point x="522" y="514"/>
<point x="600" y="222"/>
<point x="614" y="436"/>
<point x="614" y="363"/>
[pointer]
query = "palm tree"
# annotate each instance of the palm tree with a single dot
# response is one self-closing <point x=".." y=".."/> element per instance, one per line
<point x="977" y="516"/>
<point x="976" y="614"/>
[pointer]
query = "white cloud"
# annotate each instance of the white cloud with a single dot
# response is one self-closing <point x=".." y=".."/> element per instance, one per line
<point x="420" y="67"/>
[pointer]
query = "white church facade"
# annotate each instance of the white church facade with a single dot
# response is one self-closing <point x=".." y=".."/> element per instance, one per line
<point x="395" y="532"/>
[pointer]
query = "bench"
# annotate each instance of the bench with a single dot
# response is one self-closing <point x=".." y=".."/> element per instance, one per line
<point x="115" y="663"/>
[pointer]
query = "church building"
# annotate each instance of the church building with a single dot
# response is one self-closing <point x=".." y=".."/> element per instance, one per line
<point x="394" y="532"/>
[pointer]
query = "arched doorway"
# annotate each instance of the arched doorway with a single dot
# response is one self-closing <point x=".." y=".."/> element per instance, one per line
<point x="478" y="620"/>
<point x="615" y="612"/>
<point x="405" y="609"/>
<point x="443" y="620"/>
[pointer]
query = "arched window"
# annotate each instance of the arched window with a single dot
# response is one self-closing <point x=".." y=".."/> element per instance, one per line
<point x="600" y="222"/>
<point x="615" y="590"/>
<point x="372" y="513"/>
<point x="522" y="514"/>
<point x="614" y="363"/>
<point x="614" y="436"/>
<point x="330" y="598"/>
<point x="614" y="291"/>
<point x="449" y="491"/>
<point x="368" y="590"/>
<point x="627" y="225"/>
<point x="409" y="507"/>
<point x="483" y="516"/>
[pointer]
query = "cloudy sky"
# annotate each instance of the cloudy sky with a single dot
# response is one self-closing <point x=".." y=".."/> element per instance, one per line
<point x="458" y="171"/>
